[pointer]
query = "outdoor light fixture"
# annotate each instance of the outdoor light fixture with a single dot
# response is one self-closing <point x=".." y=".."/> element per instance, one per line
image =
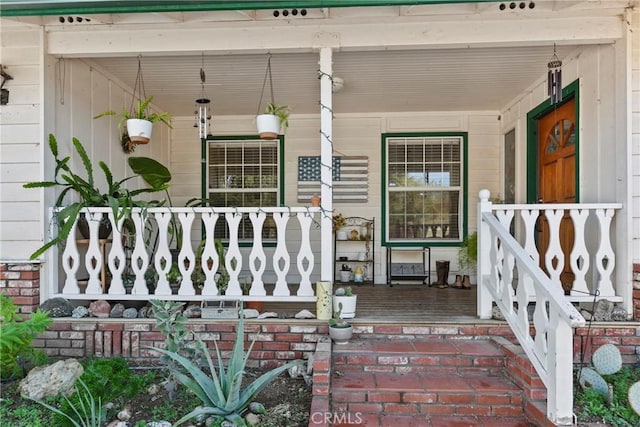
<point x="202" y="111"/>
<point x="4" y="93"/>
<point x="554" y="78"/>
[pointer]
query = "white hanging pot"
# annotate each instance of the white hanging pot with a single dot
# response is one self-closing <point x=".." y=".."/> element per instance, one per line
<point x="139" y="130"/>
<point x="268" y="126"/>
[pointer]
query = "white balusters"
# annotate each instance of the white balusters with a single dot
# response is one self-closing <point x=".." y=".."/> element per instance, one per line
<point x="186" y="258"/>
<point x="139" y="257"/>
<point x="233" y="258"/>
<point x="93" y="257"/>
<point x="209" y="259"/>
<point x="554" y="250"/>
<point x="605" y="258"/>
<point x="163" y="259"/>
<point x="529" y="218"/>
<point x="257" y="255"/>
<point x="116" y="259"/>
<point x="579" y="258"/>
<point x="305" y="255"/>
<point x="281" y="259"/>
<point x="71" y="263"/>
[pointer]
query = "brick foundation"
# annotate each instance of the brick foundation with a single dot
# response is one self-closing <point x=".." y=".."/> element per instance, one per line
<point x="21" y="281"/>
<point x="276" y="341"/>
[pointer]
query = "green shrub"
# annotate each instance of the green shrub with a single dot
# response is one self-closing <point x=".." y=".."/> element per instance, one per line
<point x="16" y="336"/>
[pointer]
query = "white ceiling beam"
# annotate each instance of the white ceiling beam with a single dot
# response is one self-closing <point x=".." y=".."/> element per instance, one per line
<point x="400" y="34"/>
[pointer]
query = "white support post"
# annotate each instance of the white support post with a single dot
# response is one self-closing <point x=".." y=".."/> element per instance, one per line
<point x="559" y="363"/>
<point x="484" y="300"/>
<point x="326" y="161"/>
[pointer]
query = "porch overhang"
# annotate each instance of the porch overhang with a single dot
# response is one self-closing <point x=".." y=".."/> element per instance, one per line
<point x="46" y="7"/>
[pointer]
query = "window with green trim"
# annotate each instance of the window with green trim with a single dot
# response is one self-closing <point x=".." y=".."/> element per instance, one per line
<point x="423" y="188"/>
<point x="243" y="173"/>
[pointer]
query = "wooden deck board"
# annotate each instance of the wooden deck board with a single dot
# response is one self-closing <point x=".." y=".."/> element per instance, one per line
<point x="403" y="303"/>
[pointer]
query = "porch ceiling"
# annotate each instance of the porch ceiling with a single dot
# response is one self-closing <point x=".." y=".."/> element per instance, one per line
<point x="439" y="57"/>
<point x="392" y="80"/>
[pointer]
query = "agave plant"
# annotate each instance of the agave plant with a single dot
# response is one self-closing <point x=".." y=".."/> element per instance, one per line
<point x="220" y="391"/>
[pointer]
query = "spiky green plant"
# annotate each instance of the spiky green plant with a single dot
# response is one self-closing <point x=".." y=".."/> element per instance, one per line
<point x="87" y="412"/>
<point x="117" y="197"/>
<point x="221" y="391"/>
<point x="16" y="335"/>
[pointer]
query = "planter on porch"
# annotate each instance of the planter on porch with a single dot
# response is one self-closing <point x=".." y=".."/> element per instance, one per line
<point x="344" y="303"/>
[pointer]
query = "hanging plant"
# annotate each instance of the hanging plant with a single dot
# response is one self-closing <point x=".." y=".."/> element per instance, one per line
<point x="275" y="118"/>
<point x="137" y="122"/>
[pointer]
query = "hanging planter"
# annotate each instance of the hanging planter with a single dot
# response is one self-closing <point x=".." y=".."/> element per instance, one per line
<point x="275" y="119"/>
<point x="137" y="121"/>
<point x="139" y="130"/>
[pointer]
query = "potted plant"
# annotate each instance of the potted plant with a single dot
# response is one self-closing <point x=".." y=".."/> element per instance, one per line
<point x="340" y="330"/>
<point x="345" y="301"/>
<point x="119" y="198"/>
<point x="274" y="121"/>
<point x="138" y="122"/>
<point x="339" y="221"/>
<point x="467" y="258"/>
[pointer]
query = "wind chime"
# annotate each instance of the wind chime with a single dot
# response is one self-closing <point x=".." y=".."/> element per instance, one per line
<point x="554" y="78"/>
<point x="202" y="112"/>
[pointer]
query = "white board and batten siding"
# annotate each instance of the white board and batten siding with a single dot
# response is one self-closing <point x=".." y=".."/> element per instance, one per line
<point x="355" y="136"/>
<point x="75" y="92"/>
<point x="21" y="219"/>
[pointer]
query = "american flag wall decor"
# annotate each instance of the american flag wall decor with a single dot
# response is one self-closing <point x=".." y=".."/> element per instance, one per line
<point x="350" y="178"/>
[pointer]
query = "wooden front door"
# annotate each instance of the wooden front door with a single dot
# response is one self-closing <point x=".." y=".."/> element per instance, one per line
<point x="557" y="178"/>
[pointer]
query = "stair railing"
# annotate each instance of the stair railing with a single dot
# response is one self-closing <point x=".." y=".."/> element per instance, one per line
<point x="509" y="277"/>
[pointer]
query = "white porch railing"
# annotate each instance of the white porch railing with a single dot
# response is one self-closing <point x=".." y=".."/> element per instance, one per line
<point x="510" y="276"/>
<point x="116" y="270"/>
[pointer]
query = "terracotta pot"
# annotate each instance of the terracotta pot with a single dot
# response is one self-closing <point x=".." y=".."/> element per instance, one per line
<point x="255" y="305"/>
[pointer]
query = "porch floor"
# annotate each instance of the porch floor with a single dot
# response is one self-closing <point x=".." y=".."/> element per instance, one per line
<point x="403" y="303"/>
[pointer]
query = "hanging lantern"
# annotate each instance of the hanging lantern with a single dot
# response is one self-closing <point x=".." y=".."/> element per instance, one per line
<point x="554" y="78"/>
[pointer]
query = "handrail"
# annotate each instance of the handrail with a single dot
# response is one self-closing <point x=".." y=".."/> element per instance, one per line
<point x="511" y="278"/>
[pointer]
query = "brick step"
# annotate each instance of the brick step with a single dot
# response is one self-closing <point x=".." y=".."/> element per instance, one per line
<point x="429" y="355"/>
<point x="424" y="382"/>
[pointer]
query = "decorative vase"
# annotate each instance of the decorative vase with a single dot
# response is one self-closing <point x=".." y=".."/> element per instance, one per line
<point x="341" y="335"/>
<point x="348" y="305"/>
<point x="341" y="235"/>
<point x="345" y="276"/>
<point x="323" y="303"/>
<point x="139" y="130"/>
<point x="315" y="201"/>
<point x="268" y="126"/>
